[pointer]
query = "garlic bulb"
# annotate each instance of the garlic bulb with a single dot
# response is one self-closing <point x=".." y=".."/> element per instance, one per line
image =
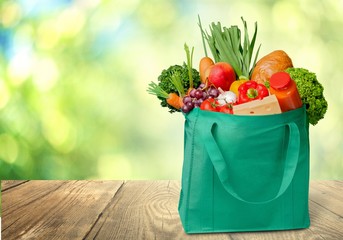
<point x="226" y="97"/>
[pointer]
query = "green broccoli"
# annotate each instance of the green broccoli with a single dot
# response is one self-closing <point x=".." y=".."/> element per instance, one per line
<point x="311" y="93"/>
<point x="164" y="81"/>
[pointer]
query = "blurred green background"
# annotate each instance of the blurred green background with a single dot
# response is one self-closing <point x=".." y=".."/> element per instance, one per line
<point x="73" y="79"/>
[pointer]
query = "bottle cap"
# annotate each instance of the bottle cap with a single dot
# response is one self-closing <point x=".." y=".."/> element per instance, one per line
<point x="279" y="80"/>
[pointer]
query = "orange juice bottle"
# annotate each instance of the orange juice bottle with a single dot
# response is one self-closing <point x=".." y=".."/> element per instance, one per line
<point x="285" y="90"/>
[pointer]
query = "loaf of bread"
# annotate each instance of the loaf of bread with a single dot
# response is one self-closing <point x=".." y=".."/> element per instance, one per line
<point x="276" y="61"/>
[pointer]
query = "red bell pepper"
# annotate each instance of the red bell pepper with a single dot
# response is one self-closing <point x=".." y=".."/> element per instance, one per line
<point x="250" y="91"/>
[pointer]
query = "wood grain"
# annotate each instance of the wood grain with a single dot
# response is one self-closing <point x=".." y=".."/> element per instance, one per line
<point x="326" y="208"/>
<point x="136" y="210"/>
<point x="141" y="209"/>
<point x="328" y="196"/>
<point x="11" y="183"/>
<point x="54" y="209"/>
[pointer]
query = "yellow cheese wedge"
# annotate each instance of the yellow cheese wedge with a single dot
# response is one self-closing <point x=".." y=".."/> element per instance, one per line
<point x="268" y="105"/>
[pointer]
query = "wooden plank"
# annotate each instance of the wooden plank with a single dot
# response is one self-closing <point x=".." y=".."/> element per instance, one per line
<point x="324" y="223"/>
<point x="137" y="210"/>
<point x="15" y="199"/>
<point x="337" y="184"/>
<point x="142" y="210"/>
<point x="55" y="209"/>
<point x="7" y="184"/>
<point x="328" y="195"/>
<point x="326" y="204"/>
<point x="142" y="206"/>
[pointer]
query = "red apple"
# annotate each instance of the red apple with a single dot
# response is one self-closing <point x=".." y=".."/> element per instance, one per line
<point x="221" y="75"/>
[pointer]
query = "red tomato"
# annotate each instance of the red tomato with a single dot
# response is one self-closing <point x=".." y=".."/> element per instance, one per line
<point x="226" y="109"/>
<point x="210" y="104"/>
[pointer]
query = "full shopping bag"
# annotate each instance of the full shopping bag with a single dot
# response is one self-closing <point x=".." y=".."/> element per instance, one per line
<point x="245" y="173"/>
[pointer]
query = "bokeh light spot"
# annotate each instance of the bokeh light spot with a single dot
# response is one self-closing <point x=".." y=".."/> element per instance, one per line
<point x="58" y="130"/>
<point x="70" y="22"/>
<point x="10" y="13"/>
<point x="157" y="14"/>
<point x="8" y="148"/>
<point x="287" y="17"/>
<point x="45" y="74"/>
<point x="47" y="34"/>
<point x="20" y="67"/>
<point x="4" y="94"/>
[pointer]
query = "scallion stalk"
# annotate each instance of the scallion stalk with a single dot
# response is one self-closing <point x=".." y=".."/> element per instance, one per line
<point x="189" y="64"/>
<point x="226" y="46"/>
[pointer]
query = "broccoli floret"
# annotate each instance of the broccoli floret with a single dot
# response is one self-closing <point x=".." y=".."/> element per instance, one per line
<point x="165" y="83"/>
<point x="311" y="93"/>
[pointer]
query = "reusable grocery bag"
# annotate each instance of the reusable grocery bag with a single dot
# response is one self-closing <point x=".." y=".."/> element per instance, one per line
<point x="245" y="173"/>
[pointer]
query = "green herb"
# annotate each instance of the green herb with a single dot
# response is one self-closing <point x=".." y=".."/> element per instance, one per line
<point x="202" y="36"/>
<point x="156" y="90"/>
<point x="176" y="81"/>
<point x="189" y="64"/>
<point x="226" y="46"/>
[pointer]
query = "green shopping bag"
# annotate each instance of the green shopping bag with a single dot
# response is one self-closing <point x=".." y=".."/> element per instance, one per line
<point x="245" y="173"/>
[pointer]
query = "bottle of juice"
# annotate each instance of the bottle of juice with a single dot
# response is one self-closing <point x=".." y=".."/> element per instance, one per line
<point x="285" y="90"/>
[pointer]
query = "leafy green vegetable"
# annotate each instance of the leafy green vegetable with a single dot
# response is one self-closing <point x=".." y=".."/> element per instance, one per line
<point x="311" y="93"/>
<point x="165" y="81"/>
<point x="156" y="90"/>
<point x="203" y="36"/>
<point x="189" y="56"/>
<point x="225" y="45"/>
<point x="177" y="82"/>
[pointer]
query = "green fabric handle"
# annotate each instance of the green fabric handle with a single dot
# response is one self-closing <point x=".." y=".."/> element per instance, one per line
<point x="220" y="165"/>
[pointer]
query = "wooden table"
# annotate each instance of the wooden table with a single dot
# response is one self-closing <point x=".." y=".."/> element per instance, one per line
<point x="135" y="210"/>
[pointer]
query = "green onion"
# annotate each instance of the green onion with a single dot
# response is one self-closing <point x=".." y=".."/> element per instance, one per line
<point x="189" y="64"/>
<point x="156" y="90"/>
<point x="202" y="36"/>
<point x="177" y="82"/>
<point x="226" y="46"/>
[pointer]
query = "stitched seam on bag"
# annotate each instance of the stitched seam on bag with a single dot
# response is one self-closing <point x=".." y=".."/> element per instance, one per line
<point x="212" y="218"/>
<point x="191" y="168"/>
<point x="284" y="152"/>
<point x="293" y="215"/>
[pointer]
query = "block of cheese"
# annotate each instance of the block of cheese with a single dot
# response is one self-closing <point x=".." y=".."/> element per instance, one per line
<point x="268" y="105"/>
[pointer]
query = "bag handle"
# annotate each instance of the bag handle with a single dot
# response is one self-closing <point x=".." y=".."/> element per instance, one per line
<point x="220" y="165"/>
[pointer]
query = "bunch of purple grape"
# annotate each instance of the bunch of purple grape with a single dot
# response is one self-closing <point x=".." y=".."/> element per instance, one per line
<point x="197" y="96"/>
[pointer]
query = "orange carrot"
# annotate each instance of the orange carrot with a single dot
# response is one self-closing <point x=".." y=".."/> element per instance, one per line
<point x="175" y="100"/>
<point x="204" y="64"/>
